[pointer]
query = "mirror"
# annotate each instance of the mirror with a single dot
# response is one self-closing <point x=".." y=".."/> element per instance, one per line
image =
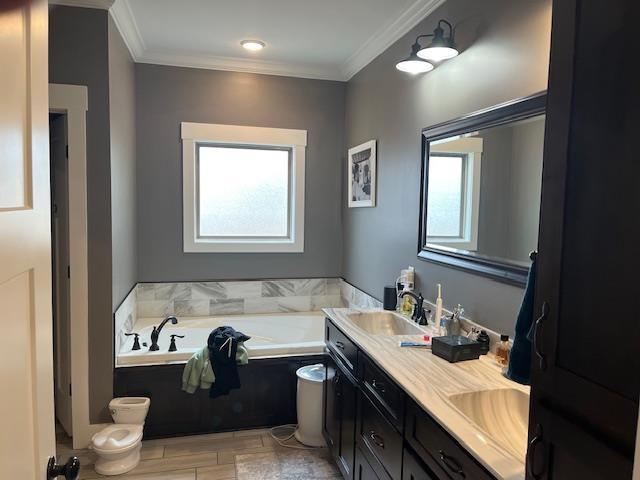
<point x="481" y="190"/>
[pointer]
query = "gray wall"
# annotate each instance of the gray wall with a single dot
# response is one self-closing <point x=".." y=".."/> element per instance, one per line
<point x="505" y="55"/>
<point x="78" y="55"/>
<point x="167" y="96"/>
<point x="123" y="167"/>
<point x="493" y="212"/>
<point x="526" y="188"/>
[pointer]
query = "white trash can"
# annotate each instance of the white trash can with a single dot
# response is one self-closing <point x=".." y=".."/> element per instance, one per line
<point x="310" y="382"/>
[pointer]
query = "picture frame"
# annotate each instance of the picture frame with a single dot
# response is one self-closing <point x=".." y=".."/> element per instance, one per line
<point x="361" y="175"/>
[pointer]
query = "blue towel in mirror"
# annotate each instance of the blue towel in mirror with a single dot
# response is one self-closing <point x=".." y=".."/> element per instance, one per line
<point x="520" y="359"/>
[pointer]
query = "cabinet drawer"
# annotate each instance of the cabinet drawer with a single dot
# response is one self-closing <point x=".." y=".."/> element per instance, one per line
<point x="432" y="443"/>
<point x="363" y="469"/>
<point x="341" y="346"/>
<point x="380" y="388"/>
<point x="414" y="469"/>
<point x="379" y="437"/>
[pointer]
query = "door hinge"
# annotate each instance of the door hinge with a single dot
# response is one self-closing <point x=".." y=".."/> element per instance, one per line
<point x="66" y="151"/>
<point x="68" y="271"/>
<point x="69" y="389"/>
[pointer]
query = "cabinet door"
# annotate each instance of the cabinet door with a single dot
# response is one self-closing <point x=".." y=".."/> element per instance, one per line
<point x="331" y="420"/>
<point x="339" y="415"/>
<point x="348" y="426"/>
<point x="414" y="469"/>
<point x="586" y="353"/>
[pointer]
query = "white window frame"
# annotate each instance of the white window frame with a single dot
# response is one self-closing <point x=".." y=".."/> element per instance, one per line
<point x="470" y="149"/>
<point x="195" y="134"/>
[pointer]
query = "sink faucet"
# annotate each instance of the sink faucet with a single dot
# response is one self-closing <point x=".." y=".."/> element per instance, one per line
<point x="418" y="312"/>
<point x="156" y="333"/>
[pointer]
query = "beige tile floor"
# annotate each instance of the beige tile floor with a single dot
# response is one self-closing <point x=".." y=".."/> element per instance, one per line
<point x="241" y="455"/>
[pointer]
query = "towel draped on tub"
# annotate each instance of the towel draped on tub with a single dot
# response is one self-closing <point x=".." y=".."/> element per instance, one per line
<point x="198" y="372"/>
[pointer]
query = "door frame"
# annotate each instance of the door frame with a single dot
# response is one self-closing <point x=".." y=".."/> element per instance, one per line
<point x="72" y="101"/>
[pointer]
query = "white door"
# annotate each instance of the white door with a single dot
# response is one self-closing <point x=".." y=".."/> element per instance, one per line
<point x="26" y="371"/>
<point x="61" y="297"/>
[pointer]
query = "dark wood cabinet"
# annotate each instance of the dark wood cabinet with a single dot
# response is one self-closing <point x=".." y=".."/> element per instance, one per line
<point x="414" y="469"/>
<point x="369" y="421"/>
<point x="363" y="469"/>
<point x="340" y="414"/>
<point x="381" y="390"/>
<point x="377" y="436"/>
<point x="585" y="384"/>
<point x="437" y="449"/>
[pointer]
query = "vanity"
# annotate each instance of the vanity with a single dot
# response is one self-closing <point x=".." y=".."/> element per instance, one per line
<point x="393" y="413"/>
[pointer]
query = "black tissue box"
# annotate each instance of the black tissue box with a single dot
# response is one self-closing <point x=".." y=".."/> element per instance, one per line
<point x="456" y="348"/>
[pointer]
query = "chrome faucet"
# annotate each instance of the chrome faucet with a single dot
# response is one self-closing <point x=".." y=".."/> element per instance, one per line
<point x="418" y="311"/>
<point x="156" y="333"/>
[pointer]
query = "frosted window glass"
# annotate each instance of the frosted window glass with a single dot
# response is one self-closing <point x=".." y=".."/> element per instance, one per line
<point x="243" y="192"/>
<point x="444" y="197"/>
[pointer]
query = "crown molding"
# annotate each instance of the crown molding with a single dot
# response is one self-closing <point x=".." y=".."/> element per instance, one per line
<point x="234" y="64"/>
<point x="376" y="44"/>
<point x="128" y="28"/>
<point x="388" y="35"/>
<point x="101" y="4"/>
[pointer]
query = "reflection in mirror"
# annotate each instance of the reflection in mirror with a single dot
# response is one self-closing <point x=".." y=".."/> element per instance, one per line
<point x="483" y="192"/>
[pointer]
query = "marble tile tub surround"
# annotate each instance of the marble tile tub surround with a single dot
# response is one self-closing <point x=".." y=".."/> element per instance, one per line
<point x="196" y="299"/>
<point x="125" y="318"/>
<point x="236" y="297"/>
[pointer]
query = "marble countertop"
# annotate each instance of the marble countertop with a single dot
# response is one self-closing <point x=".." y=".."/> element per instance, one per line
<point x="430" y="381"/>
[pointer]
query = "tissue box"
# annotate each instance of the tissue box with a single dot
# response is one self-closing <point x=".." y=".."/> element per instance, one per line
<point x="456" y="348"/>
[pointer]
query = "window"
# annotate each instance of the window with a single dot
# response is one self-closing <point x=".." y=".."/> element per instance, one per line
<point x="453" y="198"/>
<point x="243" y="188"/>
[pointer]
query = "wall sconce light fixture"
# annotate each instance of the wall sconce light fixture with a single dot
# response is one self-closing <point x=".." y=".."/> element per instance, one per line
<point x="422" y="59"/>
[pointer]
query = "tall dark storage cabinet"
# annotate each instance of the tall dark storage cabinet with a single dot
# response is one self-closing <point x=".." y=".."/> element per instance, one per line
<point x="586" y="365"/>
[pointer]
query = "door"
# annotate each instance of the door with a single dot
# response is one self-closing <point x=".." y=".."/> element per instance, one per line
<point x="60" y="268"/>
<point x="26" y="374"/>
<point x="585" y="384"/>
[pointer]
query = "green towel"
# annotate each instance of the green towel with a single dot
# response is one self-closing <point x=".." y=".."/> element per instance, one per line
<point x="198" y="373"/>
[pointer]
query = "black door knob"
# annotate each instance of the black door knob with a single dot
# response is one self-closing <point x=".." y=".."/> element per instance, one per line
<point x="69" y="470"/>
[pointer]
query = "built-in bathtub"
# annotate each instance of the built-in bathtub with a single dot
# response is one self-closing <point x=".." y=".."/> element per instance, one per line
<point x="280" y="344"/>
<point x="272" y="335"/>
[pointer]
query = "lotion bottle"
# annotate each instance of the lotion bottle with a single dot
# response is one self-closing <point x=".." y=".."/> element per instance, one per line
<point x="439" y="310"/>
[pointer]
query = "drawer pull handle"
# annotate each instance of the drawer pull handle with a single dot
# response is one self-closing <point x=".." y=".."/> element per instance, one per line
<point x="536" y="336"/>
<point x="451" y="463"/>
<point x="377" y="439"/>
<point x="533" y="444"/>
<point x="379" y="386"/>
<point x="340" y="345"/>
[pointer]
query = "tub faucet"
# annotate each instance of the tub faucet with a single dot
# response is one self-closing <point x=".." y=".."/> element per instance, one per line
<point x="156" y="333"/>
<point x="418" y="312"/>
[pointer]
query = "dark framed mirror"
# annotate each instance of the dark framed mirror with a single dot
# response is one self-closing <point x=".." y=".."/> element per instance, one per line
<point x="481" y="188"/>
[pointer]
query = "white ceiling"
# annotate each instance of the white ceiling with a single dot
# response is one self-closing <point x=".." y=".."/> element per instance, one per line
<point x="329" y="39"/>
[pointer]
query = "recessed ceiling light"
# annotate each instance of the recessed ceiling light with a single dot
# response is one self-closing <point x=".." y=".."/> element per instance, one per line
<point x="252" y="45"/>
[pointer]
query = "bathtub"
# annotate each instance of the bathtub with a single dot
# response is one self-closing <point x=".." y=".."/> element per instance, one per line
<point x="272" y="335"/>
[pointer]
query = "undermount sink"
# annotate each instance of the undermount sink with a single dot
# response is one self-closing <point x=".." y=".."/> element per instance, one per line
<point x="503" y="414"/>
<point x="384" y="323"/>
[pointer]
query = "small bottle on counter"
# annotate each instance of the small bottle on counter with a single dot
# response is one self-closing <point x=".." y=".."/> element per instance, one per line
<point x="503" y="350"/>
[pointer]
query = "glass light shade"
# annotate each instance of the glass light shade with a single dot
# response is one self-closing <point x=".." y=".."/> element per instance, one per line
<point x="414" y="65"/>
<point x="438" y="53"/>
<point x="253" y="45"/>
